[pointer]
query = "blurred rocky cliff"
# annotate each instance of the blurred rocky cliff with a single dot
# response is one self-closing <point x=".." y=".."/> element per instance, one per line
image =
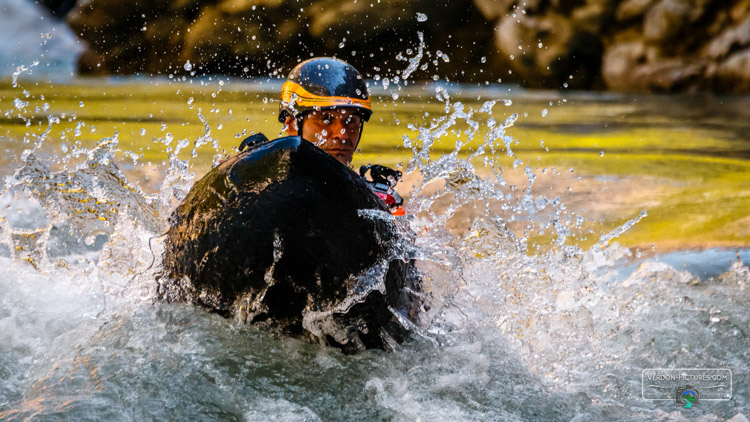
<point x="622" y="45"/>
<point x="626" y="45"/>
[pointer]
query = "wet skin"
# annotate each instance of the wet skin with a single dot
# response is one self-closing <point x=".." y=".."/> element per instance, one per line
<point x="334" y="131"/>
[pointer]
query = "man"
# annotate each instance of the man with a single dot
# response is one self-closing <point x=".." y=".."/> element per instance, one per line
<point x="326" y="102"/>
<point x="274" y="235"/>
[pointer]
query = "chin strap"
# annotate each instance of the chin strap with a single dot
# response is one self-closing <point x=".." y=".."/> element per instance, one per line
<point x="361" y="128"/>
<point x="299" y="119"/>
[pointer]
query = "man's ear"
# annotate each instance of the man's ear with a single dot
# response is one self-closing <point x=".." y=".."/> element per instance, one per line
<point x="290" y="124"/>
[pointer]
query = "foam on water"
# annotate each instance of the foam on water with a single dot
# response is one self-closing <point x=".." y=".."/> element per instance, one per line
<point x="511" y="331"/>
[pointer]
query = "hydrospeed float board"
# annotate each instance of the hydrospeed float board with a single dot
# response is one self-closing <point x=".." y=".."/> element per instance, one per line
<point x="276" y="234"/>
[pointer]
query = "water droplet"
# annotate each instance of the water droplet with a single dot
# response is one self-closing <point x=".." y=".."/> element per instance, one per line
<point x="190" y="100"/>
<point x="484" y="59"/>
<point x="143" y="131"/>
<point x="421" y="17"/>
<point x="601" y="153"/>
<point x="80" y="104"/>
<point x="544" y="112"/>
<point x="188" y="66"/>
<point x="540" y="45"/>
<point x="19" y="103"/>
<point x="219" y="126"/>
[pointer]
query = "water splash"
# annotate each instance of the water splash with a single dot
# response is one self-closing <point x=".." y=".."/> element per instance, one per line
<point x="414" y="61"/>
<point x="78" y="248"/>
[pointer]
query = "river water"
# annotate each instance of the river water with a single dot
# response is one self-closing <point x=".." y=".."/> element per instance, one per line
<point x="532" y="317"/>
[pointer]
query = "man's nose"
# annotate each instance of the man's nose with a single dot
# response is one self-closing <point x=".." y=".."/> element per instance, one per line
<point x="338" y="130"/>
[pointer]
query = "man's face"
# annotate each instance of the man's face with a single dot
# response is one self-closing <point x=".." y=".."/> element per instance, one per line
<point x="334" y="131"/>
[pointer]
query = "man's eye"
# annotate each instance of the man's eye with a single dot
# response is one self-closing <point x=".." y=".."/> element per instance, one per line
<point x="352" y="121"/>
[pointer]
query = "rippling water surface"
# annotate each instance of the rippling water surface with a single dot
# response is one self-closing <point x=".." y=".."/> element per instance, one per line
<point x="538" y="313"/>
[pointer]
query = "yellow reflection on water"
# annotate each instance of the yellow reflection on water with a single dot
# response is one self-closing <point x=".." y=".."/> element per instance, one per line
<point x="683" y="159"/>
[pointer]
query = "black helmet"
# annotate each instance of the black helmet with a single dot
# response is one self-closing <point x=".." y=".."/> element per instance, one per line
<point x="323" y="83"/>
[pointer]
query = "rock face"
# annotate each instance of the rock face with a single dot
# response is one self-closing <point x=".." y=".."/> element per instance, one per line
<point x="682" y="45"/>
<point x="627" y="45"/>
<point x="631" y="45"/>
<point x="257" y="37"/>
<point x="548" y="42"/>
<point x="276" y="236"/>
